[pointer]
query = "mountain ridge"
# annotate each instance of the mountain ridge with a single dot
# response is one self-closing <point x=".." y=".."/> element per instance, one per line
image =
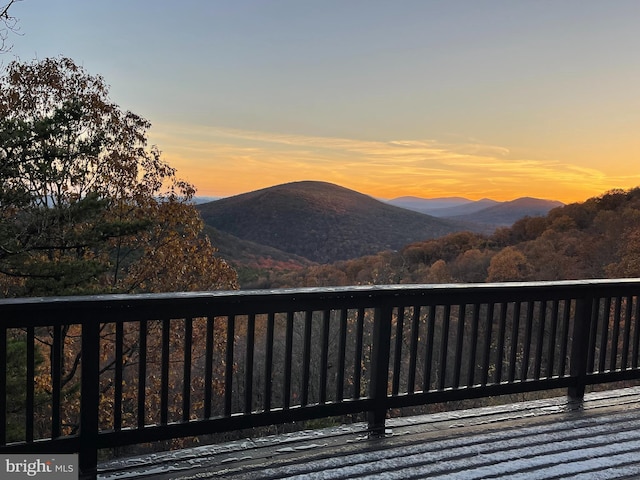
<point x="291" y="224"/>
<point x="507" y="213"/>
<point x="322" y="222"/>
<point x="460" y="207"/>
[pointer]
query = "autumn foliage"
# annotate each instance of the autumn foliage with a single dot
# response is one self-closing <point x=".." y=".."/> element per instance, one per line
<point x="599" y="238"/>
<point x="87" y="207"/>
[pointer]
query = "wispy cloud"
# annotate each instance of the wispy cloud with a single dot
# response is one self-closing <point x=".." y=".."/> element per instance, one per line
<point x="226" y="161"/>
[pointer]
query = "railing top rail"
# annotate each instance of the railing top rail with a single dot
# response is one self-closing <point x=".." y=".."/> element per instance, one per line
<point x="109" y="301"/>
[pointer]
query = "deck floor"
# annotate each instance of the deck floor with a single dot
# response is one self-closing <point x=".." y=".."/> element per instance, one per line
<point x="542" y="439"/>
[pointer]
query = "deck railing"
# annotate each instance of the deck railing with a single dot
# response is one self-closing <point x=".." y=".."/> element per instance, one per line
<point x="80" y="374"/>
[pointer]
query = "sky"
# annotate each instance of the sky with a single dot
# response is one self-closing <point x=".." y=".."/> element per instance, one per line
<point x="430" y="98"/>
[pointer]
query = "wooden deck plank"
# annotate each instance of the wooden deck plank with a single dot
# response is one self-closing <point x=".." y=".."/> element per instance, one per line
<point x="538" y="439"/>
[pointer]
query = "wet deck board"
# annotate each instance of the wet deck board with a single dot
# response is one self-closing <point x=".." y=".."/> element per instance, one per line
<point x="539" y="439"/>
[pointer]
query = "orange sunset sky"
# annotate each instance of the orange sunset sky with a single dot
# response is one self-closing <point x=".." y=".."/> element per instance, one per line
<point x="430" y="98"/>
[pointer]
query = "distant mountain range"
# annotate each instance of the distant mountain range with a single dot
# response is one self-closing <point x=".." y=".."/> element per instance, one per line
<point x="485" y="211"/>
<point x="198" y="200"/>
<point x="442" y="207"/>
<point x="507" y="213"/>
<point x="322" y="222"/>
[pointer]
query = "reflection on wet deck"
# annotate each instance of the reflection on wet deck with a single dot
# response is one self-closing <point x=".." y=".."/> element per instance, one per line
<point x="541" y="439"/>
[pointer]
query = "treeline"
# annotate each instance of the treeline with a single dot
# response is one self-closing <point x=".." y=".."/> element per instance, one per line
<point x="599" y="238"/>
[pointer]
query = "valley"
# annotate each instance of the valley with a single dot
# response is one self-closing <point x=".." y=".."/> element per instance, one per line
<point x="310" y="233"/>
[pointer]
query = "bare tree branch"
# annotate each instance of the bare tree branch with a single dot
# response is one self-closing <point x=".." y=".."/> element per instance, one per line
<point x="8" y="24"/>
<point x="4" y="14"/>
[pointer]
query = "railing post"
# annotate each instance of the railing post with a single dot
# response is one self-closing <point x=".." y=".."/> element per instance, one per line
<point x="580" y="348"/>
<point x="89" y="401"/>
<point x="379" y="372"/>
<point x="3" y="386"/>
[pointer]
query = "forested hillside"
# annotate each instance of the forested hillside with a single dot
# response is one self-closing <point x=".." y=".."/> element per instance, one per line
<point x="321" y="221"/>
<point x="251" y="260"/>
<point x="598" y="238"/>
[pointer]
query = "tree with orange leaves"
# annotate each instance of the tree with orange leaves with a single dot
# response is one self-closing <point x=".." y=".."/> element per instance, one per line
<point x="85" y="205"/>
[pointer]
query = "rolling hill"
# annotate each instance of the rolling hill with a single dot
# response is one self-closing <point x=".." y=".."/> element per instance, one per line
<point x="507" y="213"/>
<point x="321" y="221"/>
<point x="487" y="211"/>
<point x="245" y="253"/>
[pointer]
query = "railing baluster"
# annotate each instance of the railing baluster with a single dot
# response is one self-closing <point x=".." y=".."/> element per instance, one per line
<point x="636" y="335"/>
<point x="142" y="373"/>
<point x="551" y="344"/>
<point x="268" y="361"/>
<point x="324" y="355"/>
<point x="56" y="380"/>
<point x="624" y="363"/>
<point x="606" y="314"/>
<point x="473" y="338"/>
<point x="117" y="388"/>
<point x="500" y="347"/>
<point x="228" y="364"/>
<point x="30" y="394"/>
<point x="89" y="398"/>
<point x="306" y="357"/>
<point x="413" y="349"/>
<point x="526" y="347"/>
<point x="3" y="385"/>
<point x="515" y="331"/>
<point x="593" y="335"/>
<point x="288" y="359"/>
<point x="486" y="364"/>
<point x="208" y="370"/>
<point x="357" y="365"/>
<point x="342" y="348"/>
<point x="537" y="366"/>
<point x="186" y="383"/>
<point x="428" y="361"/>
<point x="566" y="321"/>
<point x="248" y="372"/>
<point x="164" y="373"/>
<point x="613" y="359"/>
<point x="444" y="346"/>
<point x="462" y="311"/>
<point x="397" y="361"/>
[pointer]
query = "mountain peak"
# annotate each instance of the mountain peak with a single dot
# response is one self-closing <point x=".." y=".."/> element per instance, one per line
<point x="321" y="221"/>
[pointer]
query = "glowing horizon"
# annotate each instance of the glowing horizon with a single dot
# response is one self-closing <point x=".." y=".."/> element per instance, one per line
<point x="491" y="99"/>
<point x="224" y="162"/>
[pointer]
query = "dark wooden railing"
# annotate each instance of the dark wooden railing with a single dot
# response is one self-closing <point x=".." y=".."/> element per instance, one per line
<point x="80" y="374"/>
